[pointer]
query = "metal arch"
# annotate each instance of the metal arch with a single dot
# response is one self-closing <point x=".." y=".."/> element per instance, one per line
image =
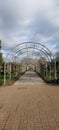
<point x="48" y="52"/>
<point x="34" y="53"/>
<point x="30" y="48"/>
<point x="34" y="49"/>
<point x="36" y="44"/>
<point x="29" y="51"/>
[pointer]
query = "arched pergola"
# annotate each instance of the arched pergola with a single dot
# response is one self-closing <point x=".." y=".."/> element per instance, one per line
<point x="34" y="50"/>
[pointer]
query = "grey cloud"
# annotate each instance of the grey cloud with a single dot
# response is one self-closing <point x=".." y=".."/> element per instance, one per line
<point x="19" y="22"/>
<point x="42" y="26"/>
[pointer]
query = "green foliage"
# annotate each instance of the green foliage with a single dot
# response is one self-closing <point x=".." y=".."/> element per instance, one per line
<point x="1" y="80"/>
<point x="1" y="59"/>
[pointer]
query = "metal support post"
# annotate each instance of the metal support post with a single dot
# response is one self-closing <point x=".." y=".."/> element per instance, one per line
<point x="55" y="71"/>
<point x="10" y="70"/>
<point x="4" y="73"/>
<point x="50" y="70"/>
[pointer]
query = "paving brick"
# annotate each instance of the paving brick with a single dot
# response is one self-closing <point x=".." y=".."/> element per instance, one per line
<point x="29" y="106"/>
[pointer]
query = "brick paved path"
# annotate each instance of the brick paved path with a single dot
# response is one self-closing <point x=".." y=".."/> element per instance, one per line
<point x="30" y="77"/>
<point x="29" y="107"/>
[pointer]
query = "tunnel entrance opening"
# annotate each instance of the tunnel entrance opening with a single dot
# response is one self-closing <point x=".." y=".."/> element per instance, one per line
<point x="30" y="67"/>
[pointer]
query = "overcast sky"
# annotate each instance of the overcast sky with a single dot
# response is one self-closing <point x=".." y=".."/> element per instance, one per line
<point x="29" y="20"/>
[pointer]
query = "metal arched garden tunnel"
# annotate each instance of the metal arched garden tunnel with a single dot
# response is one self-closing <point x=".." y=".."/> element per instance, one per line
<point x="26" y="53"/>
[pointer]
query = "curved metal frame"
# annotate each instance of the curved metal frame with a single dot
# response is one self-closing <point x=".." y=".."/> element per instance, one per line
<point x="25" y="47"/>
<point x="33" y="52"/>
<point x="42" y="48"/>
